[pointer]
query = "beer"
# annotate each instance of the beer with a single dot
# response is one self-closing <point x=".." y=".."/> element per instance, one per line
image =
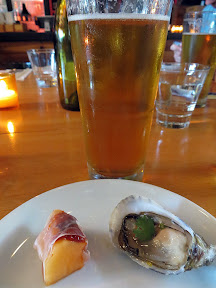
<point x="117" y="64"/>
<point x="200" y="48"/>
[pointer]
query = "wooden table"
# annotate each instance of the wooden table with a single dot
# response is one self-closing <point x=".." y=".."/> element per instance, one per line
<point x="46" y="151"/>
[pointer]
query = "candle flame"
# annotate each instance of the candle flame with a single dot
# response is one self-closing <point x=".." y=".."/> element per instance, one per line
<point x="3" y="85"/>
<point x="10" y="127"/>
<point x="177" y="29"/>
<point x="4" y="91"/>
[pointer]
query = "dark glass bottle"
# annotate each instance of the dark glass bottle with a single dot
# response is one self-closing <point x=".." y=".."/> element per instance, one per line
<point x="64" y="60"/>
<point x="24" y="12"/>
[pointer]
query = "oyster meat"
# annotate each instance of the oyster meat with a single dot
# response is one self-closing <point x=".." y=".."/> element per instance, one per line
<point x="157" y="239"/>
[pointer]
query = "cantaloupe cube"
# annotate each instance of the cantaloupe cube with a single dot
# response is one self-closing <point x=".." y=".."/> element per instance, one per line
<point x="65" y="257"/>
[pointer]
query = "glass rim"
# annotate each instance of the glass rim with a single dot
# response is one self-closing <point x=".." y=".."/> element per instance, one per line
<point x="194" y="13"/>
<point x="5" y="73"/>
<point x="41" y="50"/>
<point x="178" y="66"/>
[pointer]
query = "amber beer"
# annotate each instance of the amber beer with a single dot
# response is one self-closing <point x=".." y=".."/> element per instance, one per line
<point x="117" y="64"/>
<point x="200" y="48"/>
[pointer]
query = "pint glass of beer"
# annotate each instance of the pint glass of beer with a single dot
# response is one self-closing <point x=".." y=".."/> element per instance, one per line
<point x="199" y="45"/>
<point x="117" y="48"/>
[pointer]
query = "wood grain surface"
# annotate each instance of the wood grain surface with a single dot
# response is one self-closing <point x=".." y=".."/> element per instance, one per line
<point x="46" y="150"/>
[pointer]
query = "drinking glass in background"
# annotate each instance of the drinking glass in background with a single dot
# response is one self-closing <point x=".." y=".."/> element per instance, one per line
<point x="199" y="45"/>
<point x="117" y="49"/>
<point x="44" y="66"/>
<point x="179" y="88"/>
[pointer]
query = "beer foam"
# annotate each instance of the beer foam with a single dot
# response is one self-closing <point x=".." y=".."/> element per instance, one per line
<point x="118" y="16"/>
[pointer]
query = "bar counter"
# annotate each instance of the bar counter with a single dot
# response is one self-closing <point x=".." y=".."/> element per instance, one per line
<point x="49" y="36"/>
<point x="25" y="36"/>
<point x="13" y="46"/>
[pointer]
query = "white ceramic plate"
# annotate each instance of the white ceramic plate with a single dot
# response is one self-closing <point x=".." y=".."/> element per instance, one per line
<point x="92" y="203"/>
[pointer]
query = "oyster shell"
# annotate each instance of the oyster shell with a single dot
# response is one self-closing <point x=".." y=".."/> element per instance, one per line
<point x="174" y="247"/>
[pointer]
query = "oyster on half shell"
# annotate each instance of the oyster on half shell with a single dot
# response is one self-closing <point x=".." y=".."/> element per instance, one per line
<point x="173" y="246"/>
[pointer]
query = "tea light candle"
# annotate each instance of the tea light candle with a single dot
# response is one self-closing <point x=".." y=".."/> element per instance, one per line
<point x="8" y="91"/>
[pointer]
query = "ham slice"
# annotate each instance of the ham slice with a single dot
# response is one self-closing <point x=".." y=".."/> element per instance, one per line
<point x="61" y="241"/>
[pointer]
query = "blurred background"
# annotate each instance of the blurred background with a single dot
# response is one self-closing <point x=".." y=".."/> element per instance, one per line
<point x="28" y="24"/>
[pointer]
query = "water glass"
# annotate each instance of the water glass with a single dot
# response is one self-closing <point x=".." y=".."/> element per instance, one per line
<point x="44" y="66"/>
<point x="179" y="88"/>
<point x="199" y="45"/>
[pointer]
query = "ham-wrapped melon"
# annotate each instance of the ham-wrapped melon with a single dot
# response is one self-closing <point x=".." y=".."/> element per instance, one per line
<point x="61" y="246"/>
